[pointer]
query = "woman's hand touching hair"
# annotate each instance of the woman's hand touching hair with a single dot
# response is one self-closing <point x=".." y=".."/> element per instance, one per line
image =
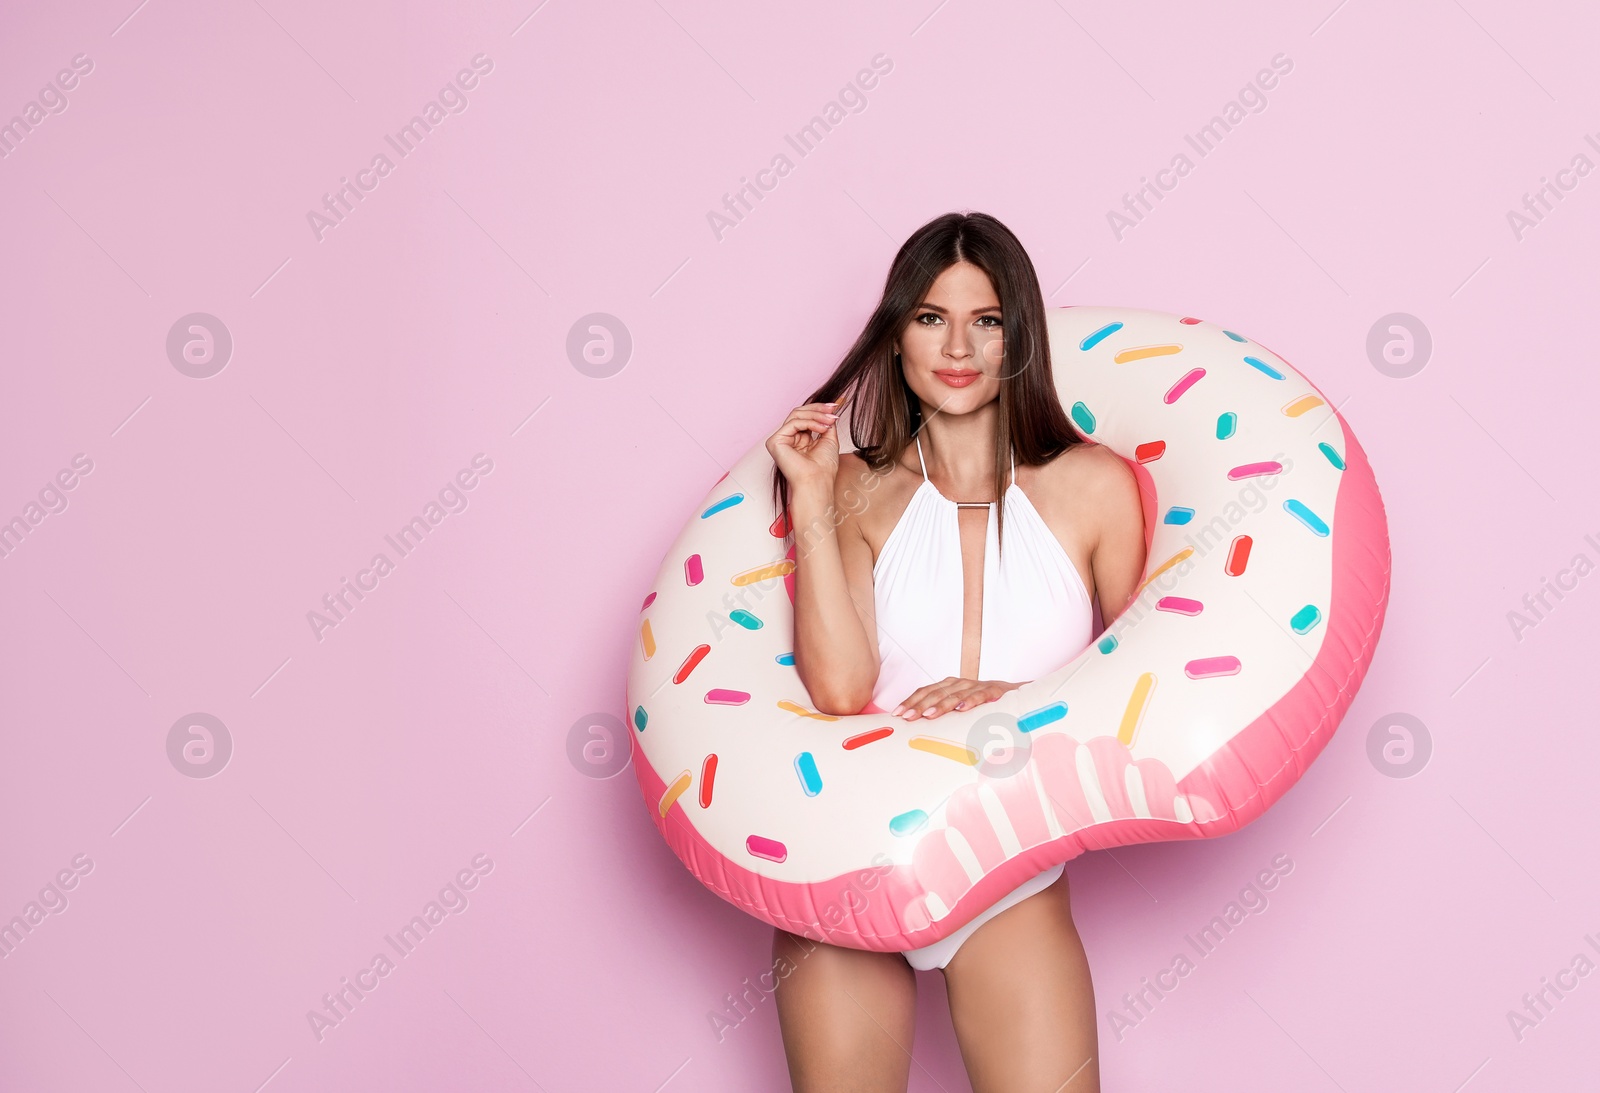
<point x="806" y="446"/>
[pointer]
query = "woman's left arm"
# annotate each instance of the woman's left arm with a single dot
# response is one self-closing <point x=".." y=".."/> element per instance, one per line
<point x="1118" y="556"/>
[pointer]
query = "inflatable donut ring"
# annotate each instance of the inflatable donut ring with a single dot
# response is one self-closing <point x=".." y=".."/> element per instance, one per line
<point x="1201" y="704"/>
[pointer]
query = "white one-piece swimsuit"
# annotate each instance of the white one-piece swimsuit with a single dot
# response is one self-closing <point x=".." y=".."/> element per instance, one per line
<point x="1037" y="616"/>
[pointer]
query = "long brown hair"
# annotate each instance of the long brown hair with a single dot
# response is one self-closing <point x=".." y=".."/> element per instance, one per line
<point x="885" y="414"/>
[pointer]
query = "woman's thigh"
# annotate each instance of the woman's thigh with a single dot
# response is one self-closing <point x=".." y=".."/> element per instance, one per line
<point x="1022" y="1002"/>
<point x="847" y="1016"/>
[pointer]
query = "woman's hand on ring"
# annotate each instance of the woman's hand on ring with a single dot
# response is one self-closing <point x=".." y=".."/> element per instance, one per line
<point x="951" y="693"/>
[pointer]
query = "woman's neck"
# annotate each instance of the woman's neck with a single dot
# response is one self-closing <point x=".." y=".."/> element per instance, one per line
<point x="958" y="450"/>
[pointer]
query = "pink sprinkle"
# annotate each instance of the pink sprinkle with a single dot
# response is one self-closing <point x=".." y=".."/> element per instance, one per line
<point x="1175" y="392"/>
<point x="720" y="697"/>
<point x="648" y="600"/>
<point x="692" y="569"/>
<point x="1252" y="470"/>
<point x="1179" y="605"/>
<point x="1188" y="321"/>
<point x="771" y="849"/>
<point x="1206" y="667"/>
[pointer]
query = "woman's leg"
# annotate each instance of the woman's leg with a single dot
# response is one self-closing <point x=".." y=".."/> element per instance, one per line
<point x="1022" y="1003"/>
<point x="847" y="1016"/>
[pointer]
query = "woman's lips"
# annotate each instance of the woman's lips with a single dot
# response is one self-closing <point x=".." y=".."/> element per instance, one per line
<point x="957" y="377"/>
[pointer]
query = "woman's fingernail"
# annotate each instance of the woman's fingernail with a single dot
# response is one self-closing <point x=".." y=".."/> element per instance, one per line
<point x="929" y="710"/>
<point x="961" y="705"/>
<point x="896" y="711"/>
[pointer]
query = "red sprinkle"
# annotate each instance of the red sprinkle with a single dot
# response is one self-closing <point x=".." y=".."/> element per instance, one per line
<point x="708" y="775"/>
<point x="1154" y="449"/>
<point x="1238" y="555"/>
<point x="690" y="661"/>
<point x="853" y="742"/>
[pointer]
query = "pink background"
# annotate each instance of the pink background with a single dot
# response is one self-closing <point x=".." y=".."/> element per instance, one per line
<point x="433" y="724"/>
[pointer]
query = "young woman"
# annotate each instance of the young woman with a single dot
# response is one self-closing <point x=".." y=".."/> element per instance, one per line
<point x="929" y="598"/>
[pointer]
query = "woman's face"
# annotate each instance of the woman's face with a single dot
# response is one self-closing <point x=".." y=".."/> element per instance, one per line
<point x="951" y="349"/>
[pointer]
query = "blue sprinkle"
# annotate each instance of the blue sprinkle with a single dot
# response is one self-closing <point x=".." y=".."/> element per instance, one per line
<point x="1107" y="643"/>
<point x="907" y="822"/>
<point x="639" y="718"/>
<point x="1264" y="366"/>
<point x="1042" y="716"/>
<point x="1178" y="514"/>
<point x="1082" y="418"/>
<point x="1305" y="618"/>
<point x="806" y="767"/>
<point x="1232" y="335"/>
<point x="1099" y="336"/>
<point x="1294" y="507"/>
<point x="726" y="503"/>
<point x="1227" y="424"/>
<point x="745" y="619"/>
<point x="786" y="659"/>
<point x="1333" y="457"/>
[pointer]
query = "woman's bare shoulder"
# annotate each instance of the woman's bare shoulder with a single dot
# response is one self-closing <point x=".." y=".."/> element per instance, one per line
<point x="1088" y="478"/>
<point x="871" y="499"/>
<point x="1103" y="468"/>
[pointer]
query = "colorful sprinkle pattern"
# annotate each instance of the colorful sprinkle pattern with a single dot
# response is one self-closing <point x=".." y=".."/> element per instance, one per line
<point x="1221" y="429"/>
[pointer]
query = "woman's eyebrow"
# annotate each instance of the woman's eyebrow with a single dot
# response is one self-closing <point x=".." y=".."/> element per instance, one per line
<point x="976" y="311"/>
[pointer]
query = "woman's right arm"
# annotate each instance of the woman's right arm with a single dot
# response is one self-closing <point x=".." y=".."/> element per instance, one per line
<point x="835" y="629"/>
<point x="835" y="638"/>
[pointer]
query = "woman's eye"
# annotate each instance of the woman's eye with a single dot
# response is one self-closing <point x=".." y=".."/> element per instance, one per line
<point x="990" y="320"/>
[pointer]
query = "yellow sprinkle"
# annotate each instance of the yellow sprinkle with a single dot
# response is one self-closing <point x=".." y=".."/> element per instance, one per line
<point x="949" y="749"/>
<point x="793" y="707"/>
<point x="1138" y="701"/>
<point x="674" y="791"/>
<point x="765" y="572"/>
<point x="1302" y="404"/>
<point x="1166" y="565"/>
<point x="648" y="638"/>
<point x="1139" y="353"/>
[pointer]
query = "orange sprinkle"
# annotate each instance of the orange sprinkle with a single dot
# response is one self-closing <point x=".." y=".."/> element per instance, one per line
<point x="765" y="572"/>
<point x="1140" y="352"/>
<point x="796" y="708"/>
<point x="674" y="791"/>
<point x="1166" y="565"/>
<point x="947" y="749"/>
<point x="1138" y="702"/>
